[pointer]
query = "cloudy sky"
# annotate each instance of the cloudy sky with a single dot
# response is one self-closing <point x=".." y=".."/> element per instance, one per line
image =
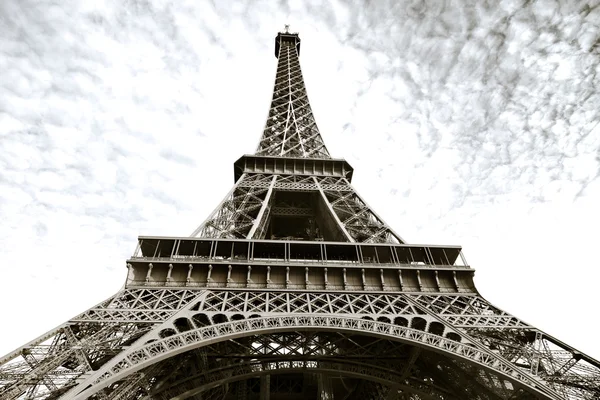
<point x="467" y="122"/>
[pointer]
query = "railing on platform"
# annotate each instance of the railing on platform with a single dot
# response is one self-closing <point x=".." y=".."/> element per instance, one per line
<point x="296" y="252"/>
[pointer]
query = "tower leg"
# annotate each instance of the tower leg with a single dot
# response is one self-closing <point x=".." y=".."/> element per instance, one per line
<point x="242" y="390"/>
<point x="265" y="387"/>
<point x="324" y="387"/>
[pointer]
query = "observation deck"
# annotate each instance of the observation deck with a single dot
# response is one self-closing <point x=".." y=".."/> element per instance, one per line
<point x="298" y="265"/>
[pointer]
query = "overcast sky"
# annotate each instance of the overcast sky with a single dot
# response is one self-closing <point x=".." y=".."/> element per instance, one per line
<point x="466" y="124"/>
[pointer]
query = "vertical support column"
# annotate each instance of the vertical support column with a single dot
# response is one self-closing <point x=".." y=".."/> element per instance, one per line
<point x="242" y="390"/>
<point x="189" y="274"/>
<point x="428" y="256"/>
<point x="364" y="280"/>
<point x="130" y="273"/>
<point x="169" y="272"/>
<point x="446" y="257"/>
<point x="437" y="281"/>
<point x="229" y="280"/>
<point x="138" y="249"/>
<point x="208" y="274"/>
<point x="324" y="387"/>
<point x="149" y="274"/>
<point x="332" y="211"/>
<point x="320" y="388"/>
<point x="265" y="387"/>
<point x="463" y="259"/>
<point x="455" y="281"/>
<point x="261" y="213"/>
<point x="400" y="279"/>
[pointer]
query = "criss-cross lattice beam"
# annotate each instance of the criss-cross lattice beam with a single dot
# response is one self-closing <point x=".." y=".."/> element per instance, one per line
<point x="512" y="338"/>
<point x="245" y="211"/>
<point x="356" y="218"/>
<point x="291" y="129"/>
<point x="260" y="222"/>
<point x="93" y="338"/>
<point x="236" y="215"/>
<point x="54" y="362"/>
<point x="562" y="368"/>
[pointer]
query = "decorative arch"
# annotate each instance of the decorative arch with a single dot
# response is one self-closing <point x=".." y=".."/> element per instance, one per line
<point x="139" y="357"/>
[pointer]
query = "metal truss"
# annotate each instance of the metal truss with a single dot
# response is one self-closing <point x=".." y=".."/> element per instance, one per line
<point x="237" y="213"/>
<point x="128" y="341"/>
<point x="291" y="129"/>
<point x="461" y="311"/>
<point x="246" y="210"/>
<point x="358" y="220"/>
<point x="54" y="361"/>
<point x="139" y="305"/>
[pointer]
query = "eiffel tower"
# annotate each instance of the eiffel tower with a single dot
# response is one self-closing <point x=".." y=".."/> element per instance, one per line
<point x="294" y="288"/>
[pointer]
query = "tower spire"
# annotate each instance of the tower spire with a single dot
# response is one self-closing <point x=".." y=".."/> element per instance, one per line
<point x="291" y="129"/>
<point x="291" y="188"/>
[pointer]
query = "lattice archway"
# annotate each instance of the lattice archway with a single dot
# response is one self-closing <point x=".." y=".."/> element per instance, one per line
<point x="139" y="357"/>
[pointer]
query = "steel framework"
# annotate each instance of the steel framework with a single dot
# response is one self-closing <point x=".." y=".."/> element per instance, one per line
<point x="294" y="288"/>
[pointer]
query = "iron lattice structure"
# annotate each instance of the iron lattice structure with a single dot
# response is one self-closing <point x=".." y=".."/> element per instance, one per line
<point x="294" y="288"/>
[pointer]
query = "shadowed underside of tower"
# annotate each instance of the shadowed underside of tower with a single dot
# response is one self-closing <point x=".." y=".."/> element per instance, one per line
<point x="294" y="288"/>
